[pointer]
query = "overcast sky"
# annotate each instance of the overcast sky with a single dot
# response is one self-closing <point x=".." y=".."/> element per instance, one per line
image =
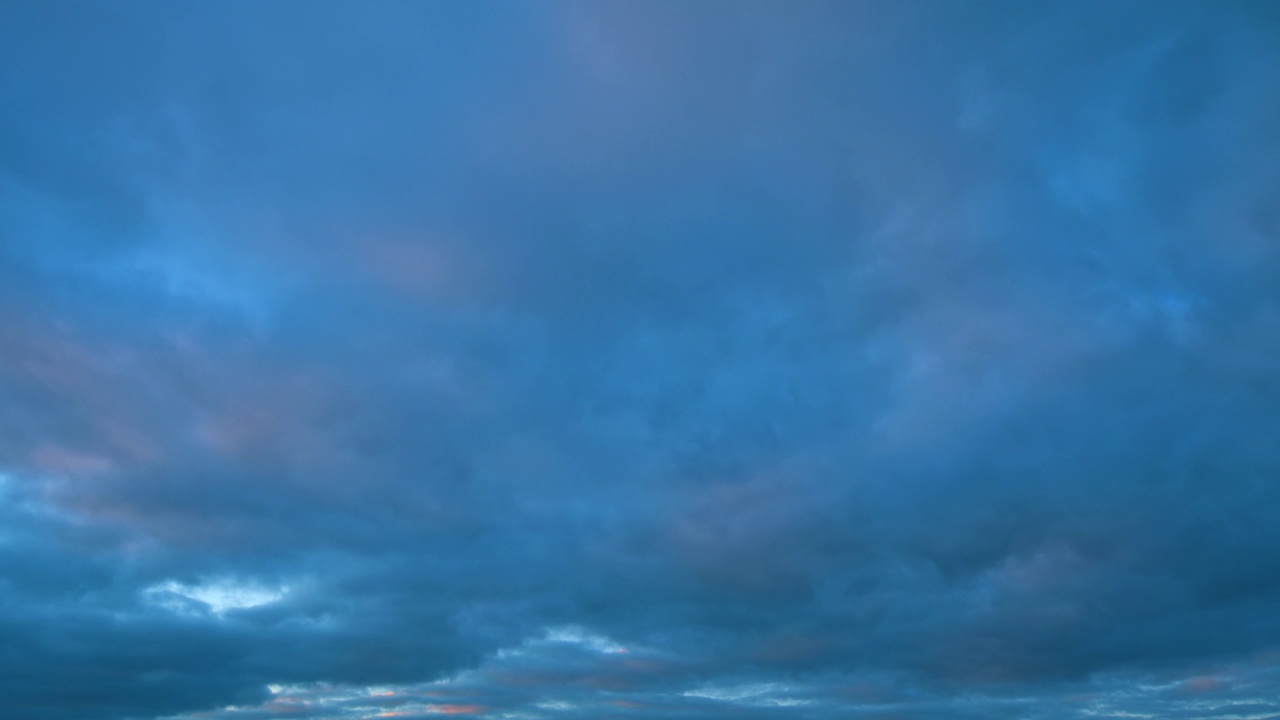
<point x="889" y="359"/>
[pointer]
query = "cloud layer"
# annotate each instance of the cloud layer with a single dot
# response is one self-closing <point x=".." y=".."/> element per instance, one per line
<point x="576" y="359"/>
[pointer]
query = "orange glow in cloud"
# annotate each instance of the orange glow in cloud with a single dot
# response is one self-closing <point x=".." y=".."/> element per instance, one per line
<point x="458" y="709"/>
<point x="444" y="709"/>
<point x="1203" y="684"/>
<point x="55" y="459"/>
<point x="426" y="268"/>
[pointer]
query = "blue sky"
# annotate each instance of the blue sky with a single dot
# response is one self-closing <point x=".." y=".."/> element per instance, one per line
<point x="695" y="360"/>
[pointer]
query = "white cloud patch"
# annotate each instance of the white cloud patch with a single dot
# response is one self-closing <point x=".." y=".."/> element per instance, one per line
<point x="218" y="596"/>
<point x="578" y="636"/>
<point x="756" y="694"/>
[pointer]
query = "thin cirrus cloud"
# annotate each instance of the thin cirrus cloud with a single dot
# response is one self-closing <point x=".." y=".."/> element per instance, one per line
<point x="764" y="360"/>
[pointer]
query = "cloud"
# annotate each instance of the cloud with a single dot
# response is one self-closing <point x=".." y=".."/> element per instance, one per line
<point x="582" y="360"/>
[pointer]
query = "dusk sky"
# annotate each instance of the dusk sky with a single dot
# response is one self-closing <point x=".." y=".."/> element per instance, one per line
<point x="654" y="360"/>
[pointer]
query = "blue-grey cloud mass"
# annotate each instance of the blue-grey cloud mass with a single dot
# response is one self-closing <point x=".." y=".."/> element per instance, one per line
<point x="690" y="360"/>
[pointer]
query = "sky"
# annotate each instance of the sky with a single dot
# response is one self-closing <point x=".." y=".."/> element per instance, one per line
<point x="883" y="359"/>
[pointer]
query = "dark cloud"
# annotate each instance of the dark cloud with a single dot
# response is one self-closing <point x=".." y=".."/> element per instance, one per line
<point x="859" y="359"/>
